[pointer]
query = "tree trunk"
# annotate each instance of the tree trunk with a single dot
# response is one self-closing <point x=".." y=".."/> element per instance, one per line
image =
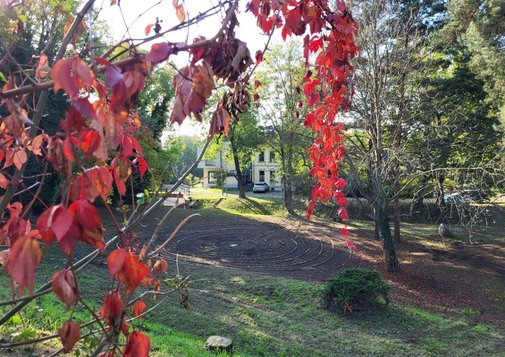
<point x="286" y="181"/>
<point x="238" y="171"/>
<point x="396" y="210"/>
<point x="377" y="235"/>
<point x="440" y="191"/>
<point x="389" y="250"/>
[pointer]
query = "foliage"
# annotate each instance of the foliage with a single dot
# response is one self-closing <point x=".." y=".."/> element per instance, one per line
<point x="355" y="288"/>
<point x="96" y="147"/>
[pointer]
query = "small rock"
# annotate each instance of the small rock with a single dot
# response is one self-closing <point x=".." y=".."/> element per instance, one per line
<point x="219" y="344"/>
<point x="444" y="231"/>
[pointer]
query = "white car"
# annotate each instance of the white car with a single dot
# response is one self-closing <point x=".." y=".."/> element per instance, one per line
<point x="261" y="187"/>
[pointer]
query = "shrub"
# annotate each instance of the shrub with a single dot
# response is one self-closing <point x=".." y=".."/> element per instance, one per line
<point x="355" y="289"/>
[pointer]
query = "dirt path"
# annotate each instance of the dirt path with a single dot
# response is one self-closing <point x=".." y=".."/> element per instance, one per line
<point x="439" y="276"/>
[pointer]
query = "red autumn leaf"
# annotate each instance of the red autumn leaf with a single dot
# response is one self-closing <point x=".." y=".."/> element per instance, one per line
<point x="148" y="29"/>
<point x="179" y="10"/>
<point x="23" y="258"/>
<point x="19" y="158"/>
<point x="57" y="219"/>
<point x="127" y="269"/>
<point x="64" y="286"/>
<point x="344" y="231"/>
<point x="138" y="345"/>
<point x="141" y="164"/>
<point x="220" y="120"/>
<point x="121" y="170"/>
<point x="257" y="84"/>
<point x="90" y="223"/>
<point x="4" y="183"/>
<point x="4" y="254"/>
<point x="159" y="52"/>
<point x="82" y="26"/>
<point x="129" y="145"/>
<point x="112" y="309"/>
<point x="72" y="75"/>
<point x="161" y="266"/>
<point x="138" y="308"/>
<point x="89" y="141"/>
<point x="69" y="334"/>
<point x="42" y="67"/>
<point x="259" y="56"/>
<point x="92" y="183"/>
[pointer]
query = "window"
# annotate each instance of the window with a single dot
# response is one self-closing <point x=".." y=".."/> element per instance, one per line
<point x="262" y="176"/>
<point x="272" y="156"/>
<point x="272" y="176"/>
<point x="212" y="177"/>
<point x="261" y="157"/>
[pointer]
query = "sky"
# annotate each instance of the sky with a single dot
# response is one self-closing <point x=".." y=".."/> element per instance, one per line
<point x="138" y="14"/>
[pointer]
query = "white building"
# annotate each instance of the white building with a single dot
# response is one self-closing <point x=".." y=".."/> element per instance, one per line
<point x="263" y="168"/>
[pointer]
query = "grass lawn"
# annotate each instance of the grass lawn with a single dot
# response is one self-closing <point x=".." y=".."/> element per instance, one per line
<point x="264" y="315"/>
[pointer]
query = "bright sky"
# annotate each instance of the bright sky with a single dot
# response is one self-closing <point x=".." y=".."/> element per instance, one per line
<point x="138" y="14"/>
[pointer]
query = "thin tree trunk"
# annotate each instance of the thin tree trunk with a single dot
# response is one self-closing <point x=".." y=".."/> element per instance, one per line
<point x="389" y="250"/>
<point x="240" y="181"/>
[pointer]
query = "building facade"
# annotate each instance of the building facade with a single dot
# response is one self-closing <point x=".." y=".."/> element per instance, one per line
<point x="263" y="168"/>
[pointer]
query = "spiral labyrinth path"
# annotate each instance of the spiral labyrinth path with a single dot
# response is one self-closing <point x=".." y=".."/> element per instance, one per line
<point x="277" y="246"/>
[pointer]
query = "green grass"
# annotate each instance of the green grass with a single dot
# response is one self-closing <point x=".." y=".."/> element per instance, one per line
<point x="249" y="206"/>
<point x="264" y="315"/>
<point x="269" y="316"/>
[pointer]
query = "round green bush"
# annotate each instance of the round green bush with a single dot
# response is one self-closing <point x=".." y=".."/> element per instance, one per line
<point x="355" y="289"/>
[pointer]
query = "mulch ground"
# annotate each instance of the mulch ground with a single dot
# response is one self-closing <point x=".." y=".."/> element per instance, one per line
<point x="448" y="277"/>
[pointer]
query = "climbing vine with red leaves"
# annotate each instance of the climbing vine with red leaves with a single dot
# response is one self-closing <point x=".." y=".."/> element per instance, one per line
<point x="329" y="34"/>
<point x="95" y="150"/>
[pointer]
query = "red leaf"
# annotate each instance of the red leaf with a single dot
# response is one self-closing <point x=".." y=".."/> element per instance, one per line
<point x="41" y="70"/>
<point x="4" y="254"/>
<point x="90" y="222"/>
<point x="138" y="345"/>
<point x="121" y="170"/>
<point x="89" y="141"/>
<point x="92" y="183"/>
<point x="159" y="52"/>
<point x="19" y="158"/>
<point x="127" y="269"/>
<point x="148" y="29"/>
<point x="344" y="231"/>
<point x="141" y="164"/>
<point x="4" y="183"/>
<point x="139" y="308"/>
<point x="72" y="75"/>
<point x="64" y="286"/>
<point x="259" y="56"/>
<point x="69" y="333"/>
<point x="112" y="309"/>
<point x="161" y="266"/>
<point x="23" y="258"/>
<point x="179" y="10"/>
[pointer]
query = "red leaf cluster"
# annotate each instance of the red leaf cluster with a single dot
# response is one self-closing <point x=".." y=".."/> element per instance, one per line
<point x="80" y="221"/>
<point x="127" y="269"/>
<point x="331" y="36"/>
<point x="193" y="86"/>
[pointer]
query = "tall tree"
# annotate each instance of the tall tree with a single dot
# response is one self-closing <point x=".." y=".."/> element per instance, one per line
<point x="283" y="110"/>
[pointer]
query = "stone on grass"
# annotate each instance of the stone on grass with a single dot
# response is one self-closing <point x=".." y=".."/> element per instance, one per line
<point x="444" y="231"/>
<point x="219" y="344"/>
